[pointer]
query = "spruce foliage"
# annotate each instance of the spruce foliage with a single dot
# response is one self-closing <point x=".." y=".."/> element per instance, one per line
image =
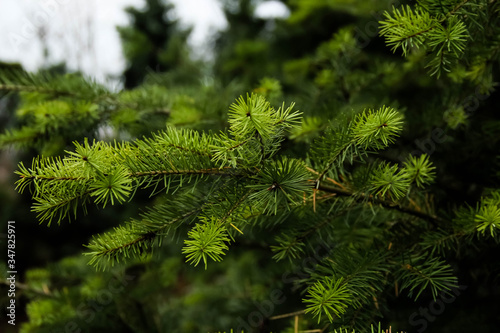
<point x="240" y="178"/>
<point x="307" y="183"/>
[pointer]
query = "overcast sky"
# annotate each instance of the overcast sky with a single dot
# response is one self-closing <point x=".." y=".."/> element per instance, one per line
<point x="82" y="32"/>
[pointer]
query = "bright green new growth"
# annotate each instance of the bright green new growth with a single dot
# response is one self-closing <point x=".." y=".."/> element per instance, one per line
<point x="218" y="187"/>
<point x="487" y="215"/>
<point x="391" y="182"/>
<point x="419" y="170"/>
<point x="288" y="179"/>
<point x="206" y="240"/>
<point x="377" y="129"/>
<point x="439" y="28"/>
<point x="328" y="296"/>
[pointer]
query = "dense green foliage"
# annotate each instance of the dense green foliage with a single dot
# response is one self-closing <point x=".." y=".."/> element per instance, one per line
<point x="315" y="182"/>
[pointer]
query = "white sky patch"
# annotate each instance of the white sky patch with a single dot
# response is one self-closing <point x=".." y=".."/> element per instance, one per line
<point x="83" y="33"/>
<point x="80" y="32"/>
<point x="272" y="9"/>
<point x="205" y="16"/>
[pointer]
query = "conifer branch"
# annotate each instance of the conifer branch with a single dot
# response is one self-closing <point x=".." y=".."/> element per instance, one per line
<point x="454" y="10"/>
<point x="327" y="178"/>
<point x="424" y="273"/>
<point x="148" y="236"/>
<point x="48" y="208"/>
<point x="333" y="160"/>
<point x="138" y="237"/>
<point x="213" y="171"/>
<point x="435" y="220"/>
<point x="55" y="178"/>
<point x="235" y="206"/>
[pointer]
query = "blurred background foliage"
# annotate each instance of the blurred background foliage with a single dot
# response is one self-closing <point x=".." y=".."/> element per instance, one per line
<point x="328" y="58"/>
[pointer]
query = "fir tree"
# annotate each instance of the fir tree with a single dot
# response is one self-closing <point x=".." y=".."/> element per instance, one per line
<point x="249" y="206"/>
<point x="242" y="46"/>
<point x="154" y="41"/>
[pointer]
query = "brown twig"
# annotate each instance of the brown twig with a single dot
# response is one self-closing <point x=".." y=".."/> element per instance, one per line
<point x="286" y="315"/>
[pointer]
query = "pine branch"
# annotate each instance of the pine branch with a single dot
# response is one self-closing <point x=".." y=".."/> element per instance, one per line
<point x="334" y="159"/>
<point x="235" y="206"/>
<point x="49" y="207"/>
<point x="139" y="237"/>
<point x="357" y="271"/>
<point x="441" y="240"/>
<point x="149" y="236"/>
<point x="213" y="171"/>
<point x="360" y="197"/>
<point x="70" y="85"/>
<point x="427" y="272"/>
<point x="454" y="10"/>
<point x="371" y="130"/>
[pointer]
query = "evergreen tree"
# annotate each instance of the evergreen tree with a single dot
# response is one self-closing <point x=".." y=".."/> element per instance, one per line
<point x="154" y="41"/>
<point x="321" y="219"/>
<point x="242" y="51"/>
